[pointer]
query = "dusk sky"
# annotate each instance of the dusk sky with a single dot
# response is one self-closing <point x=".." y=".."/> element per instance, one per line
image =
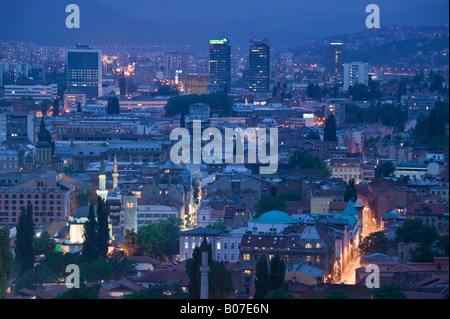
<point x="285" y="23"/>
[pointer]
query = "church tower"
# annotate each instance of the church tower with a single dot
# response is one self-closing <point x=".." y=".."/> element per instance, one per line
<point x="102" y="192"/>
<point x="204" y="271"/>
<point x="115" y="175"/>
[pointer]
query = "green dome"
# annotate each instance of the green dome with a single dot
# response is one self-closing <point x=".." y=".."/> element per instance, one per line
<point x="275" y="217"/>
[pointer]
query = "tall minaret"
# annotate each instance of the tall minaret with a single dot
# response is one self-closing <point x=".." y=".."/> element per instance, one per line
<point x="115" y="175"/>
<point x="204" y="271"/>
<point x="102" y="192"/>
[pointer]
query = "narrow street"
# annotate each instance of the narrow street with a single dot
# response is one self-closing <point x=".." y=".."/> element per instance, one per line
<point x="368" y="226"/>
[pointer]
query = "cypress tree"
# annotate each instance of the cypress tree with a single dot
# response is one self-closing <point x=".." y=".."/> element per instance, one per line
<point x="90" y="249"/>
<point x="25" y="240"/>
<point x="5" y="262"/>
<point x="103" y="230"/>
<point x="277" y="273"/>
<point x="262" y="278"/>
<point x="329" y="133"/>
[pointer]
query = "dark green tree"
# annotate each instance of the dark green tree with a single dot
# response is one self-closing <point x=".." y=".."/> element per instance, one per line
<point x="79" y="110"/>
<point x="83" y="292"/>
<point x="351" y="193"/>
<point x="103" y="227"/>
<point x="337" y="294"/>
<point x="6" y="261"/>
<point x="44" y="243"/>
<point x="385" y="169"/>
<point x="113" y="106"/>
<point x="158" y="292"/>
<point x="25" y="240"/>
<point x="55" y="107"/>
<point x="374" y="243"/>
<point x="90" y="248"/>
<point x="262" y="278"/>
<point x="277" y="273"/>
<point x="389" y="291"/>
<point x="269" y="203"/>
<point x="422" y="254"/>
<point x="291" y="196"/>
<point x="281" y="293"/>
<point x="329" y="132"/>
<point x="307" y="161"/>
<point x="413" y="230"/>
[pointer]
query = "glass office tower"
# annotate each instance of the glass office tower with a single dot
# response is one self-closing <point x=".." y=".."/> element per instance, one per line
<point x="334" y="64"/>
<point x="84" y="71"/>
<point x="259" y="66"/>
<point x="220" y="64"/>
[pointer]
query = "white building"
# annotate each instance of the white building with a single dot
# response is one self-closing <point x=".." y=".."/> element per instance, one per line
<point x="36" y="92"/>
<point x="355" y="72"/>
<point x="2" y="127"/>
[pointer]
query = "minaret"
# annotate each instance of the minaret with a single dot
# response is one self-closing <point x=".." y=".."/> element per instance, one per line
<point x="204" y="271"/>
<point x="115" y="175"/>
<point x="102" y="192"/>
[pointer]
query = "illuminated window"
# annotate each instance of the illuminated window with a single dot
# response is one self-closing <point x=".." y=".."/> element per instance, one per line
<point x="308" y="259"/>
<point x="246" y="256"/>
<point x="308" y="246"/>
<point x="218" y="245"/>
<point x="318" y="245"/>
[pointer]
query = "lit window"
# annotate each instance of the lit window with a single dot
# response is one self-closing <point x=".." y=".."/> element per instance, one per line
<point x="308" y="246"/>
<point x="246" y="256"/>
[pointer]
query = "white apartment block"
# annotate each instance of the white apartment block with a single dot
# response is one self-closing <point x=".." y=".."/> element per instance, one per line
<point x="36" y="92"/>
<point x="355" y="72"/>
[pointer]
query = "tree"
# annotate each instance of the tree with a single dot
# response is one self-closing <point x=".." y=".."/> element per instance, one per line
<point x="6" y="260"/>
<point x="83" y="292"/>
<point x="55" y="107"/>
<point x="313" y="135"/>
<point x="269" y="203"/>
<point x="291" y="196"/>
<point x="337" y="294"/>
<point x="351" y="193"/>
<point x="103" y="229"/>
<point x="172" y="291"/>
<point x="262" y="278"/>
<point x="413" y="230"/>
<point x="374" y="243"/>
<point x="385" y="169"/>
<point x="314" y="91"/>
<point x="389" y="291"/>
<point x="281" y="293"/>
<point x="423" y="254"/>
<point x="307" y="161"/>
<point x="329" y="133"/>
<point x="277" y="273"/>
<point x="90" y="248"/>
<point x="113" y="106"/>
<point x="219" y="277"/>
<point x="44" y="243"/>
<point x="79" y="110"/>
<point x="25" y="240"/>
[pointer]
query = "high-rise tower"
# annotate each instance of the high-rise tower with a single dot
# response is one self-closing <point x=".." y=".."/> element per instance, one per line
<point x="220" y="64"/>
<point x="259" y="66"/>
<point x="84" y="71"/>
<point x="334" y="64"/>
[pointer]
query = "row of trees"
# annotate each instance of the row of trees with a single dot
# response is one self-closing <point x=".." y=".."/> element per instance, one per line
<point x="94" y="261"/>
<point x="307" y="161"/>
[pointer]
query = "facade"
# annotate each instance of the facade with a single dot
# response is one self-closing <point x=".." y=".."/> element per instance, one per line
<point x="36" y="92"/>
<point x="52" y="196"/>
<point x="259" y="66"/>
<point x="347" y="169"/>
<point x="84" y="71"/>
<point x="355" y="72"/>
<point x="420" y="104"/>
<point x="196" y="83"/>
<point x="20" y="127"/>
<point x="73" y="97"/>
<point x="9" y="160"/>
<point x="334" y="64"/>
<point x="412" y="170"/>
<point x="220" y="64"/>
